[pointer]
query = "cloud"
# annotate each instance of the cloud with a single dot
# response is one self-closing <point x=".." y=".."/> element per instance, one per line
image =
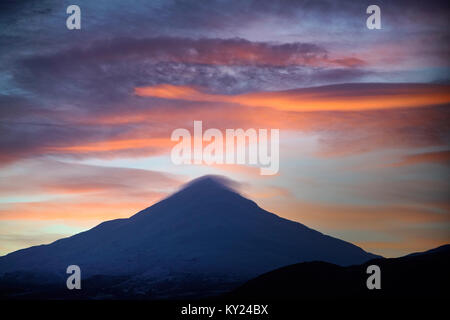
<point x="438" y="157"/>
<point x="49" y="177"/>
<point x="363" y="217"/>
<point x="208" y="51"/>
<point x="366" y="96"/>
<point x="105" y="71"/>
<point x="408" y="118"/>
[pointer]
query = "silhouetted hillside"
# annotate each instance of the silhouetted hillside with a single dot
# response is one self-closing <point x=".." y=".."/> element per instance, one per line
<point x="420" y="275"/>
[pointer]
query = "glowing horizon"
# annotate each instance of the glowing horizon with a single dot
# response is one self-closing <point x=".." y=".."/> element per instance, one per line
<point x="86" y="116"/>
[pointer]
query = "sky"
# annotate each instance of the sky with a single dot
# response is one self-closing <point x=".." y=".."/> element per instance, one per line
<point x="86" y="115"/>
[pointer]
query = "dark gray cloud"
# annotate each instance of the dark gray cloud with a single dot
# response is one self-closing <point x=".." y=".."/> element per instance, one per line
<point x="108" y="71"/>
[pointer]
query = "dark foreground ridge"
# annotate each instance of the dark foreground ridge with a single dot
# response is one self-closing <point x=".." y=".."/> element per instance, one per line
<point x="419" y="275"/>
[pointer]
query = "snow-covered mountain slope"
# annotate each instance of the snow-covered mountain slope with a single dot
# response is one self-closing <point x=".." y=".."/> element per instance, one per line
<point x="206" y="228"/>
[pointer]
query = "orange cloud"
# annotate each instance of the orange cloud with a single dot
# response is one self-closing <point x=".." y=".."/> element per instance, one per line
<point x="81" y="211"/>
<point x="75" y="187"/>
<point x="440" y="157"/>
<point x="142" y="131"/>
<point x="364" y="217"/>
<point x="42" y="178"/>
<point x="332" y="98"/>
<point x="340" y="132"/>
<point x="113" y="145"/>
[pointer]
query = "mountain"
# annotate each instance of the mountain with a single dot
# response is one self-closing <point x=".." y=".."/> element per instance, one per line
<point x="206" y="233"/>
<point x="421" y="275"/>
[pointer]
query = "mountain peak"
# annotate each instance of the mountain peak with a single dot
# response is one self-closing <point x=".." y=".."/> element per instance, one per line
<point x="208" y="188"/>
<point x="211" y="181"/>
